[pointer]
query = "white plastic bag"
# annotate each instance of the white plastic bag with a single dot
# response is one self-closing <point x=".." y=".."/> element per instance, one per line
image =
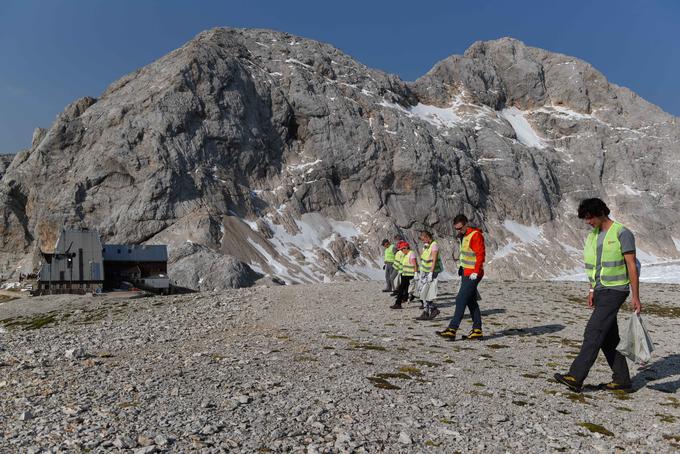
<point x="636" y="344"/>
<point x="428" y="291"/>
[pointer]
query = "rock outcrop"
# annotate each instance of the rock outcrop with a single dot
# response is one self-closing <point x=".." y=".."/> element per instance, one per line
<point x="293" y="157"/>
<point x="198" y="267"/>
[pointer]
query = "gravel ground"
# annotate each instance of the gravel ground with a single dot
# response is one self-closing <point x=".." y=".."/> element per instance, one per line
<point x="324" y="368"/>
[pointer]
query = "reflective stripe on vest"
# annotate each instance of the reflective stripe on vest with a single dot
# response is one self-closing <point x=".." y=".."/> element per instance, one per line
<point x="613" y="270"/>
<point x="426" y="260"/>
<point x="407" y="268"/>
<point x="468" y="258"/>
<point x="389" y="254"/>
<point x="397" y="261"/>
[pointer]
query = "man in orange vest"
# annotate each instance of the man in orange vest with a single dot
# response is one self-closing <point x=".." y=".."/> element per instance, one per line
<point x="471" y="269"/>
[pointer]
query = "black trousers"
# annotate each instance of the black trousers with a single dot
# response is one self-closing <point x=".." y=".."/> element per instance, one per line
<point x="602" y="333"/>
<point x="402" y="295"/>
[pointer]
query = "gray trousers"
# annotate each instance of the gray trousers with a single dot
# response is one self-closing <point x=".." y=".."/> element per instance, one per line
<point x="602" y="333"/>
<point x="389" y="276"/>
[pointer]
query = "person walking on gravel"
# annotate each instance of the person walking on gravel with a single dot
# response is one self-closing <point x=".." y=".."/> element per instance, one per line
<point x="396" y="282"/>
<point x="471" y="260"/>
<point x="611" y="267"/>
<point x="409" y="267"/>
<point x="430" y="267"/>
<point x="388" y="266"/>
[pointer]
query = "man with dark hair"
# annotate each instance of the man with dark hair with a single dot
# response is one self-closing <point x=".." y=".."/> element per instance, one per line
<point x="609" y="256"/>
<point x="396" y="265"/>
<point x="471" y="261"/>
<point x="387" y="266"/>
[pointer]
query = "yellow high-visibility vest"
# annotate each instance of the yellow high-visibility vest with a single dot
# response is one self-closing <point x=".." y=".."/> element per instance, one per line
<point x="426" y="260"/>
<point x="407" y="268"/>
<point x="614" y="271"/>
<point x="389" y="254"/>
<point x="468" y="258"/>
<point x="397" y="261"/>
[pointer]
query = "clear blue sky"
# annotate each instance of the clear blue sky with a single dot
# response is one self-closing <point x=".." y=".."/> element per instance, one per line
<point x="55" y="51"/>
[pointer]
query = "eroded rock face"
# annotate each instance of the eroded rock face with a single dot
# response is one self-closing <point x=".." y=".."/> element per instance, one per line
<point x="291" y="156"/>
<point x="199" y="268"/>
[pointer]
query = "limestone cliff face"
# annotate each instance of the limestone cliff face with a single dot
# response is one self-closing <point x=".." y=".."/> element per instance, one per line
<point x="296" y="159"/>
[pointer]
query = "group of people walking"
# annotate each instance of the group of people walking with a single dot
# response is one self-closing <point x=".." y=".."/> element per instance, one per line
<point x="409" y="276"/>
<point x="610" y="263"/>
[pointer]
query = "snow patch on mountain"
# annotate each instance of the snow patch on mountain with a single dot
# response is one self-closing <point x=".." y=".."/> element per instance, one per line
<point x="525" y="133"/>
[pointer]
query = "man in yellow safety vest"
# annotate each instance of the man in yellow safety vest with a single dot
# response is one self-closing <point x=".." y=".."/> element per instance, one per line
<point x="611" y="267"/>
<point x="471" y="271"/>
<point x="388" y="265"/>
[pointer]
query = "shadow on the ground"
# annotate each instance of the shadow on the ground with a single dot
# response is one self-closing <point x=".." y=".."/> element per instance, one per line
<point x="533" y="331"/>
<point x="668" y="366"/>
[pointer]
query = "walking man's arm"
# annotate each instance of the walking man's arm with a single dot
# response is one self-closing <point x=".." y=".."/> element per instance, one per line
<point x="634" y="281"/>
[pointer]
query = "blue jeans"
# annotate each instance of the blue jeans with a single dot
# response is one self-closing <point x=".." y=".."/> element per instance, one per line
<point x="467" y="296"/>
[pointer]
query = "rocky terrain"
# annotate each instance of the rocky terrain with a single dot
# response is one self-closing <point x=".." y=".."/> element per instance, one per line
<point x="292" y="157"/>
<point x="324" y="368"/>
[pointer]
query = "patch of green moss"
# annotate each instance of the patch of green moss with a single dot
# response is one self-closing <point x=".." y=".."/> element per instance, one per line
<point x="530" y="375"/>
<point x="596" y="428"/>
<point x="382" y="383"/>
<point x="400" y="376"/>
<point x="497" y="346"/>
<point x="410" y="370"/>
<point x="666" y="418"/>
<point x="672" y="402"/>
<point x="303" y="358"/>
<point x="520" y="403"/>
<point x="620" y="394"/>
<point x="130" y="404"/>
<point x="30" y="323"/>
<point x="576" y="397"/>
<point x="474" y="392"/>
<point x="368" y="346"/>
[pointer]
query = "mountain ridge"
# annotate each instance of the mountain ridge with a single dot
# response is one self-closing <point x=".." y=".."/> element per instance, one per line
<point x="278" y="140"/>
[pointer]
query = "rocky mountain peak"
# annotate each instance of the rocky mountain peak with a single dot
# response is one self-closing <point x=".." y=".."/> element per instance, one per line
<point x="293" y="157"/>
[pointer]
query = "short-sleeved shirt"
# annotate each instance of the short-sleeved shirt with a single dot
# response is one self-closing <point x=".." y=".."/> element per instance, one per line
<point x="434" y="248"/>
<point x="627" y="240"/>
<point x="412" y="258"/>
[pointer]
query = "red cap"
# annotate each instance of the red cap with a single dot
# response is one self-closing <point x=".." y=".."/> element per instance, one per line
<point x="402" y="245"/>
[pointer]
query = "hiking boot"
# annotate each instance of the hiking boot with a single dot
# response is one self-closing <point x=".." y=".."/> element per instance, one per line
<point x="433" y="313"/>
<point x="448" y="334"/>
<point x="387" y="290"/>
<point x="396" y="306"/>
<point x="394" y="293"/>
<point x="411" y="297"/>
<point x="425" y="315"/>
<point x="475" y="334"/>
<point x="613" y="386"/>
<point x="570" y="382"/>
